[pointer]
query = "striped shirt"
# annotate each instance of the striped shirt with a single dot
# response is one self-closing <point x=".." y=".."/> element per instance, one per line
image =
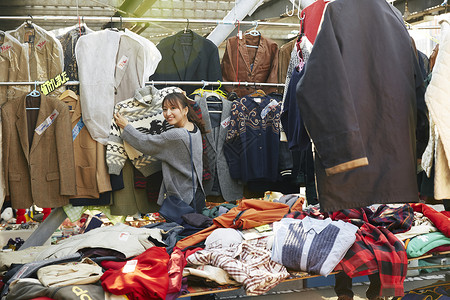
<point x="311" y="245"/>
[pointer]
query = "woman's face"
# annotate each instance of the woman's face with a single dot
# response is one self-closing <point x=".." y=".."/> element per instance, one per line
<point x="175" y="115"/>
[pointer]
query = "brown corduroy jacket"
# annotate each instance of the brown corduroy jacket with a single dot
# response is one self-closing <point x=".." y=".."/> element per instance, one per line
<point x="264" y="60"/>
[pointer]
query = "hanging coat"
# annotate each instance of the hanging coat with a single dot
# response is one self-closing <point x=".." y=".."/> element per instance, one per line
<point x="41" y="172"/>
<point x="358" y="102"/>
<point x="188" y="57"/>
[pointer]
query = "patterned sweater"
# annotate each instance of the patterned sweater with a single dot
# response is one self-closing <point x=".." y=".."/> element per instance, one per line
<point x="144" y="112"/>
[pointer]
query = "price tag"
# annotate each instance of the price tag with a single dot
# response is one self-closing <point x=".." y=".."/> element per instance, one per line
<point x="41" y="44"/>
<point x="122" y="62"/>
<point x="123" y="236"/>
<point x="47" y="122"/>
<point x="263" y="228"/>
<point x="5" y="47"/>
<point x="130" y="266"/>
<point x="225" y="122"/>
<point x="268" y="107"/>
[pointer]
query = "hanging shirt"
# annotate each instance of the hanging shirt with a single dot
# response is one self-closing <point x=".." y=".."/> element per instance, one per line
<point x="252" y="142"/>
<point x="68" y="41"/>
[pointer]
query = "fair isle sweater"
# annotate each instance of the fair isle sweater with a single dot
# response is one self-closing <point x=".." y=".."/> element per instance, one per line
<point x="144" y="112"/>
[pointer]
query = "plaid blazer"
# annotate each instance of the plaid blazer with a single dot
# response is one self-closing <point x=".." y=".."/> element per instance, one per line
<point x="41" y="173"/>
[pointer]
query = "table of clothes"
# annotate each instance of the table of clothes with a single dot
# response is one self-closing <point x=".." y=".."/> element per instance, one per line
<point x="255" y="244"/>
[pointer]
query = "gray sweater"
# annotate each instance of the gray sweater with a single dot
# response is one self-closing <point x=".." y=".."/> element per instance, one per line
<point x="172" y="149"/>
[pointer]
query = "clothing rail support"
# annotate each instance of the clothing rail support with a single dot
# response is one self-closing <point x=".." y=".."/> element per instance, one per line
<point x="141" y="20"/>
<point x="46" y="228"/>
<point x="199" y="83"/>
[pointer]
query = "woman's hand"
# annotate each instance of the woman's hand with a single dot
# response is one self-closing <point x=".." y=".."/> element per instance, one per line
<point x="121" y="121"/>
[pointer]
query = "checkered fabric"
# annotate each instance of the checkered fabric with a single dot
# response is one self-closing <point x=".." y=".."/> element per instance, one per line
<point x="376" y="249"/>
<point x="252" y="267"/>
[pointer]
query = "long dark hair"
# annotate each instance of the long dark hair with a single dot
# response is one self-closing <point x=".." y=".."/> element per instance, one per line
<point x="181" y="101"/>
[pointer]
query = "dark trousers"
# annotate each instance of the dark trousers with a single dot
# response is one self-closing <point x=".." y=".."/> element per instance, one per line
<point x="343" y="285"/>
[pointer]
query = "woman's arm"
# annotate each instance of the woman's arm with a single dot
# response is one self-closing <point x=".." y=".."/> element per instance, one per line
<point x="150" y="144"/>
<point x="146" y="143"/>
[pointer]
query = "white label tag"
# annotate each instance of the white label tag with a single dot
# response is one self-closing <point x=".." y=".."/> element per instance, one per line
<point x="44" y="125"/>
<point x="123" y="236"/>
<point x="240" y="34"/>
<point x="130" y="266"/>
<point x="5" y="47"/>
<point x="226" y="122"/>
<point x="20" y="272"/>
<point x="122" y="62"/>
<point x="41" y="44"/>
<point x="268" y="107"/>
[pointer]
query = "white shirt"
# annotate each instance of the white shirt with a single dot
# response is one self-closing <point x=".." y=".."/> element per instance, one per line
<point x="312" y="245"/>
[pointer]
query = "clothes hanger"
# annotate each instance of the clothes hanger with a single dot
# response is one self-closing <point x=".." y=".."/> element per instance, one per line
<point x="29" y="23"/>
<point x="186" y="29"/>
<point x="111" y="25"/>
<point x="187" y="33"/>
<point x="67" y="94"/>
<point x="292" y="10"/>
<point x="121" y="28"/>
<point x="300" y="12"/>
<point x="219" y="91"/>
<point x="200" y="90"/>
<point x="70" y="98"/>
<point x="35" y="94"/>
<point x="257" y="92"/>
<point x="253" y="32"/>
<point x="82" y="26"/>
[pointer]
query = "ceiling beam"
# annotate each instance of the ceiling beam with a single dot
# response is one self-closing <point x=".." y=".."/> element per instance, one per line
<point x="415" y="10"/>
<point x="238" y="12"/>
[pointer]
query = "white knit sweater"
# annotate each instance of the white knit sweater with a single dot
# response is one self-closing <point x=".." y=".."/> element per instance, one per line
<point x="144" y="112"/>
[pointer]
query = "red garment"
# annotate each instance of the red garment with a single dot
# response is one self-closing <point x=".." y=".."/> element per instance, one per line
<point x="149" y="278"/>
<point x="191" y="251"/>
<point x="440" y="220"/>
<point x="176" y="265"/>
<point x="376" y="249"/>
<point x="249" y="213"/>
<point x="442" y="248"/>
<point x="313" y="15"/>
<point x="113" y="265"/>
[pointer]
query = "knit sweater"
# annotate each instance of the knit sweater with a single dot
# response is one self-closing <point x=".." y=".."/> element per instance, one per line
<point x="144" y="112"/>
<point x="171" y="147"/>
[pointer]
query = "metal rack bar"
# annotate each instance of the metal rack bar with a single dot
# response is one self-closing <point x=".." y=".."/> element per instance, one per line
<point x="200" y="83"/>
<point x="425" y="27"/>
<point x="142" y="20"/>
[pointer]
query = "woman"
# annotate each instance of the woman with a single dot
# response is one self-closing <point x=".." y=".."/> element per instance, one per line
<point x="181" y="178"/>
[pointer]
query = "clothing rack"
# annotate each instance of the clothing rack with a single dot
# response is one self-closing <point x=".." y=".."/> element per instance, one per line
<point x="142" y="20"/>
<point x="412" y="27"/>
<point x="199" y="83"/>
<point x="57" y="216"/>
